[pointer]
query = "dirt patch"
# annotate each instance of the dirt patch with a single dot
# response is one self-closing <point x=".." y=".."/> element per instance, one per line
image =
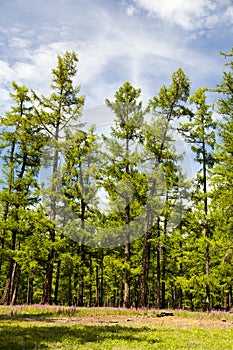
<point x="144" y="321"/>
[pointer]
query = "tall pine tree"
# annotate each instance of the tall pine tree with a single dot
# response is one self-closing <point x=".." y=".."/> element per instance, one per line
<point x="58" y="113"/>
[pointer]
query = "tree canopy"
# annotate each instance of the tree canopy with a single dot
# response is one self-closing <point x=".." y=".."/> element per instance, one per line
<point x="162" y="240"/>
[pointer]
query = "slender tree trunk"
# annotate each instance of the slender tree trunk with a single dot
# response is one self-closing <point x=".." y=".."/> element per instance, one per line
<point x="158" y="267"/>
<point x="164" y="262"/>
<point x="153" y="285"/>
<point x="127" y="240"/>
<point x="6" y="209"/>
<point x="114" y="292"/>
<point x="29" y="290"/>
<point x="174" y="298"/>
<point x="207" y="253"/>
<point x="207" y="277"/>
<point x="102" y="279"/>
<point x="180" y="292"/>
<point x="16" y="284"/>
<point x="57" y="280"/>
<point x="81" y="276"/>
<point x="121" y="295"/>
<point x="127" y="261"/>
<point x="13" y="280"/>
<point x="97" y="286"/>
<point x="2" y="241"/>
<point x="229" y="299"/>
<point x="163" y="275"/>
<point x="127" y="276"/>
<point x="90" y="282"/>
<point x="6" y="297"/>
<point x="143" y="297"/>
<point x="71" y="300"/>
<point x="47" y="292"/>
<point x="82" y="250"/>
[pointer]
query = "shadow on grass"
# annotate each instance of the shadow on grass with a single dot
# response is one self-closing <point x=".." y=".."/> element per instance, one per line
<point x="31" y="336"/>
<point x="27" y="316"/>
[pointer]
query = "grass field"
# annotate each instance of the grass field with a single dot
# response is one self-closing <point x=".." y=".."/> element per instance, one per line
<point x="43" y="327"/>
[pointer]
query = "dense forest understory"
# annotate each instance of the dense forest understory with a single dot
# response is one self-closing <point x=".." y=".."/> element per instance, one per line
<point x="118" y="222"/>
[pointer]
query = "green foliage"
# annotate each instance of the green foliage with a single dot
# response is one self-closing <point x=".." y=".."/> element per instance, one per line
<point x="151" y="245"/>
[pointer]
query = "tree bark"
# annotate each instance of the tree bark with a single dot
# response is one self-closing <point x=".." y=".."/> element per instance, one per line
<point x="207" y="252"/>
<point x="127" y="260"/>
<point x="6" y="297"/>
<point x="158" y="267"/>
<point x="97" y="285"/>
<point x="57" y="280"/>
<point x="164" y="262"/>
<point x="90" y="282"/>
<point x="143" y="297"/>
<point x="127" y="277"/>
<point x="81" y="276"/>
<point x="16" y="284"/>
<point x="47" y="292"/>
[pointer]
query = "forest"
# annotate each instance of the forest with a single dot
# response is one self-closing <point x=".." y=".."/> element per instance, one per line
<point x="118" y="222"/>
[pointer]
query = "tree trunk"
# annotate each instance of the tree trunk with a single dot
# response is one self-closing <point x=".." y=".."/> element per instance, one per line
<point x="127" y="253"/>
<point x="207" y="253"/>
<point x="127" y="276"/>
<point x="163" y="273"/>
<point x="180" y="293"/>
<point x="6" y="209"/>
<point x="16" y="284"/>
<point x="143" y="296"/>
<point x="90" y="282"/>
<point x="5" y="215"/>
<point x="7" y="294"/>
<point x="70" y="295"/>
<point x="114" y="291"/>
<point x="180" y="305"/>
<point x="81" y="276"/>
<point x="127" y="279"/>
<point x="29" y="290"/>
<point x="164" y="255"/>
<point x="82" y="250"/>
<point x="102" y="279"/>
<point x="47" y="292"/>
<point x="121" y="295"/>
<point x="153" y="282"/>
<point x="57" y="280"/>
<point x="97" y="285"/>
<point x="158" y="267"/>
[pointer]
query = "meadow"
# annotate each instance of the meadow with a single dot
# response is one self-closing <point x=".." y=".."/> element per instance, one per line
<point x="26" y="327"/>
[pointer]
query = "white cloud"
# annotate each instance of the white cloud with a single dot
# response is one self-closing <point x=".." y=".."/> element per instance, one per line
<point x="189" y="15"/>
<point x="113" y="46"/>
<point x="131" y="10"/>
<point x="229" y="14"/>
<point x="19" y="43"/>
<point x="6" y="73"/>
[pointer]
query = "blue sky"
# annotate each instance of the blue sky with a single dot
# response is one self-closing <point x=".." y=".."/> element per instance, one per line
<point x="142" y="41"/>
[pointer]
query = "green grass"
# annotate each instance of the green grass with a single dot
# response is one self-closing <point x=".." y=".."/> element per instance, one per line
<point x="23" y="335"/>
<point x="35" y="327"/>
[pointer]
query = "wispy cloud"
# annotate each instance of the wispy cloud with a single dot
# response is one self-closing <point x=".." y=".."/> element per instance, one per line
<point x="115" y="42"/>
<point x="189" y="15"/>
